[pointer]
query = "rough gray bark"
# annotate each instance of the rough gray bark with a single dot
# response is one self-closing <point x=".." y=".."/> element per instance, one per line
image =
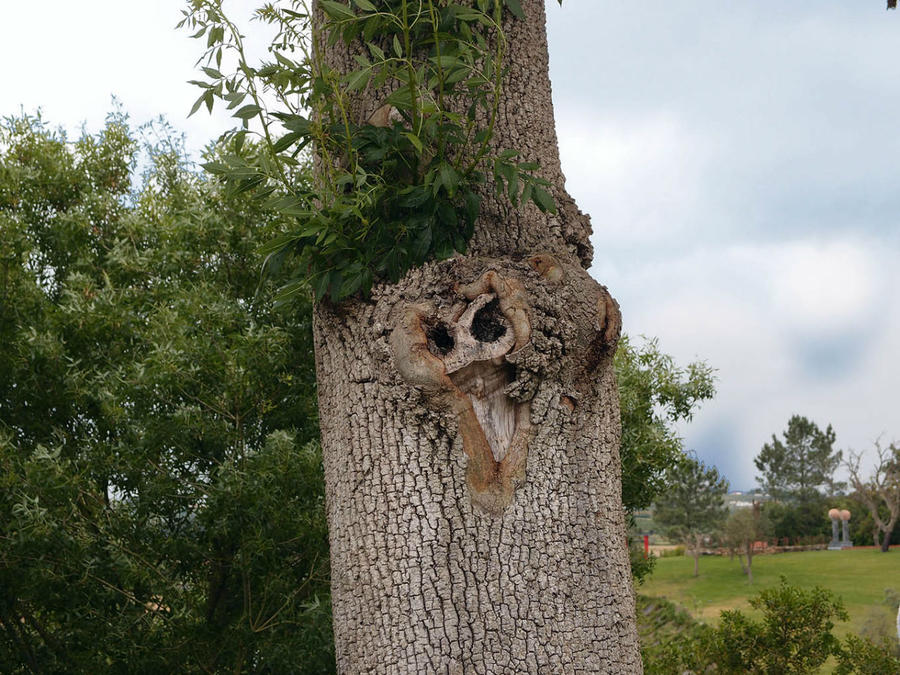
<point x="470" y="428"/>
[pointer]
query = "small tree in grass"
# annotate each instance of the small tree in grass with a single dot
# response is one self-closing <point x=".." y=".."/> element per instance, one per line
<point x="693" y="506"/>
<point x="742" y="530"/>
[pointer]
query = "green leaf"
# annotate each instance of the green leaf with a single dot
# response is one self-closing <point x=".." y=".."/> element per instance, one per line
<point x="398" y="50"/>
<point x="321" y="286"/>
<point x="197" y="104"/>
<point x="457" y="75"/>
<point x="216" y="167"/>
<point x="358" y="79"/>
<point x="401" y="99"/>
<point x="375" y="50"/>
<point x="277" y="244"/>
<point x="336" y="10"/>
<point x="422" y="244"/>
<point x="236" y="100"/>
<point x="449" y="178"/>
<point x="516" y="8"/>
<point x="543" y="200"/>
<point x="335" y="281"/>
<point x="248" y="111"/>
<point x="288" y="291"/>
<point x="296" y="123"/>
<point x="286" y="141"/>
<point x="269" y="70"/>
<point x="365" y="5"/>
<point x="415" y="141"/>
<point x="445" y="61"/>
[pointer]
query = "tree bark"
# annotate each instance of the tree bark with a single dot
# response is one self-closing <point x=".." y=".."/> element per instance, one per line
<point x="470" y="430"/>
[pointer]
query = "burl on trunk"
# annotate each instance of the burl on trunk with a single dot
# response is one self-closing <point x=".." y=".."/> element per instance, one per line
<point x="470" y="428"/>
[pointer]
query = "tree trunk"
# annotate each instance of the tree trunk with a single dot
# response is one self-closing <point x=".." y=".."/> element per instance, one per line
<point x="696" y="563"/>
<point x="450" y="552"/>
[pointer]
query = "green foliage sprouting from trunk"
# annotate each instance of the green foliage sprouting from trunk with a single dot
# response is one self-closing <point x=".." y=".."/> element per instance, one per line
<point x="395" y="186"/>
<point x="161" y="501"/>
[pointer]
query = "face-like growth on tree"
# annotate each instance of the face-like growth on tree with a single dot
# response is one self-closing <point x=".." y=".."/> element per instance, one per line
<point x="462" y="354"/>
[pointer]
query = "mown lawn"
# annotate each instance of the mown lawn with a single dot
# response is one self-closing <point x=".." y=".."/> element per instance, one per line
<point x="860" y="577"/>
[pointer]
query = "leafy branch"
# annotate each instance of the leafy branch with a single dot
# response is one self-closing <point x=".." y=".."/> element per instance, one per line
<point x="388" y="192"/>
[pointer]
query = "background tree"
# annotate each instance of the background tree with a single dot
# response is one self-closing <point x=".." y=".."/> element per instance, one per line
<point x="803" y="522"/>
<point x="161" y="502"/>
<point x="692" y="507"/>
<point x="654" y="395"/>
<point x="794" y="469"/>
<point x="881" y="492"/>
<point x="469" y="415"/>
<point x="742" y="530"/>
<point x="862" y="526"/>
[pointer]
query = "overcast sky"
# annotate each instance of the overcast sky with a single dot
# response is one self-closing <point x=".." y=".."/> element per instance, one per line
<point x="739" y="161"/>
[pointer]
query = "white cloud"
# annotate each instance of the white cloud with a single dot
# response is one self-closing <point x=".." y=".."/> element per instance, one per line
<point x="71" y="58"/>
<point x="821" y="286"/>
<point x="639" y="177"/>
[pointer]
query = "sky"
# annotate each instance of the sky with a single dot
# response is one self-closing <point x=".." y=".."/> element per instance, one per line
<point x="738" y="161"/>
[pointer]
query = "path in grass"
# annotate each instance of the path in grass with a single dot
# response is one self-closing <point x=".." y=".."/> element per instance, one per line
<point x="858" y="576"/>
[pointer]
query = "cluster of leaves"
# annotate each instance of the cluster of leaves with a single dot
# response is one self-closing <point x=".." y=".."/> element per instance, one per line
<point x="393" y="189"/>
<point x="793" y="635"/>
<point x="161" y="499"/>
<point x="654" y="395"/>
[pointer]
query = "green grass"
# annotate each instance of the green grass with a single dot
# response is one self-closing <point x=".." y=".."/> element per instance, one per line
<point x="858" y="576"/>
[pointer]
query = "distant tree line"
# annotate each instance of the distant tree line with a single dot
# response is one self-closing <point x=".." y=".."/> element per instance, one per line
<point x="797" y="473"/>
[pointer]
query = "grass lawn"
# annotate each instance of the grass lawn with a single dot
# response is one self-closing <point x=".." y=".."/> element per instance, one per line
<point x="858" y="576"/>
